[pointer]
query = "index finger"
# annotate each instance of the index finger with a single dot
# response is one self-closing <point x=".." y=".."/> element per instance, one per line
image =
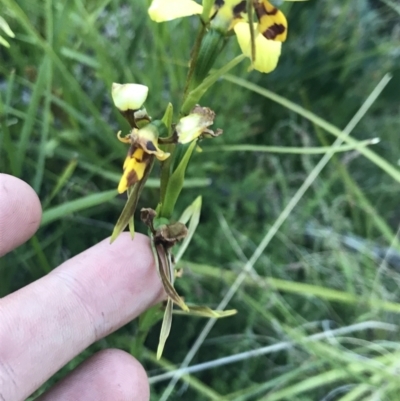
<point x="47" y="323"/>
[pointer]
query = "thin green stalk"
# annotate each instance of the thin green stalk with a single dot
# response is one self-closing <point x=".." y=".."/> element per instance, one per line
<point x="193" y="60"/>
<point x="290" y="150"/>
<point x="66" y="209"/>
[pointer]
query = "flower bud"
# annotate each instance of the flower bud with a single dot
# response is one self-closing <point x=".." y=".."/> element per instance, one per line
<point x="129" y="96"/>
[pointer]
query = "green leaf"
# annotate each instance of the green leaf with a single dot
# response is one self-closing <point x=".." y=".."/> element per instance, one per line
<point x="66" y="209"/>
<point x="196" y="94"/>
<point x="167" y="118"/>
<point x="6" y="28"/>
<point x="128" y="211"/>
<point x="146" y="321"/>
<point x="291" y="150"/>
<point x="150" y="317"/>
<point x="191" y="213"/>
<point x="175" y="184"/>
<point x="4" y="42"/>
<point x="165" y="328"/>
<point x="393" y="5"/>
<point x="62" y="180"/>
<point x="33" y="111"/>
<point x="80" y="57"/>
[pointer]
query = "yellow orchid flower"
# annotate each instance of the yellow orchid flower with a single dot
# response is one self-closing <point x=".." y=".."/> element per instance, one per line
<point x="143" y="148"/>
<point x="270" y="31"/>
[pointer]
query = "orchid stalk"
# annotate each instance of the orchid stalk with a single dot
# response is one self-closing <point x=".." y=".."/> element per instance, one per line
<point x="260" y="29"/>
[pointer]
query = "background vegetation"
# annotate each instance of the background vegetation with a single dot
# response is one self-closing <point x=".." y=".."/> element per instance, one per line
<point x="334" y="262"/>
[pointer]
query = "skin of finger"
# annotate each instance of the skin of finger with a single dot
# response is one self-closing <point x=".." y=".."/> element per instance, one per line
<point x="110" y="375"/>
<point x="20" y="212"/>
<point x="47" y="323"/>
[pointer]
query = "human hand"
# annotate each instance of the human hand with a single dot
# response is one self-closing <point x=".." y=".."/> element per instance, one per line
<point x="48" y="322"/>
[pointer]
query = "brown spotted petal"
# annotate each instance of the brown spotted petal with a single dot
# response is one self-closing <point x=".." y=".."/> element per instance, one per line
<point x="272" y="22"/>
<point x="267" y="52"/>
<point x="147" y="139"/>
<point x="134" y="168"/>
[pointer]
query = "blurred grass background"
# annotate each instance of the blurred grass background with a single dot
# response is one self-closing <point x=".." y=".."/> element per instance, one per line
<point x="334" y="263"/>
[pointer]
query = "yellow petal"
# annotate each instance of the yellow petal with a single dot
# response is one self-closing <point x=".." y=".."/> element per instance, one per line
<point x="227" y="13"/>
<point x="147" y="138"/>
<point x="151" y="148"/>
<point x="167" y="10"/>
<point x="134" y="168"/>
<point x="267" y="51"/>
<point x="123" y="139"/>
<point x="273" y="23"/>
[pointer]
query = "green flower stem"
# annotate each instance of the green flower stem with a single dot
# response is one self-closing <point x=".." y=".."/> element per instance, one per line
<point x="175" y="184"/>
<point x="170" y="148"/>
<point x="166" y="171"/>
<point x="207" y="7"/>
<point x="193" y="59"/>
<point x="172" y="182"/>
<point x="211" y="47"/>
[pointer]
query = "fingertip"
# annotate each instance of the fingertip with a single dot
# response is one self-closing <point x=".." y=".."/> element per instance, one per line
<point x="110" y="374"/>
<point x="20" y="212"/>
<point x="135" y="252"/>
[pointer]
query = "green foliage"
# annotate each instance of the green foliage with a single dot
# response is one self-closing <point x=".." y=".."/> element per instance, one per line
<point x="334" y="261"/>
